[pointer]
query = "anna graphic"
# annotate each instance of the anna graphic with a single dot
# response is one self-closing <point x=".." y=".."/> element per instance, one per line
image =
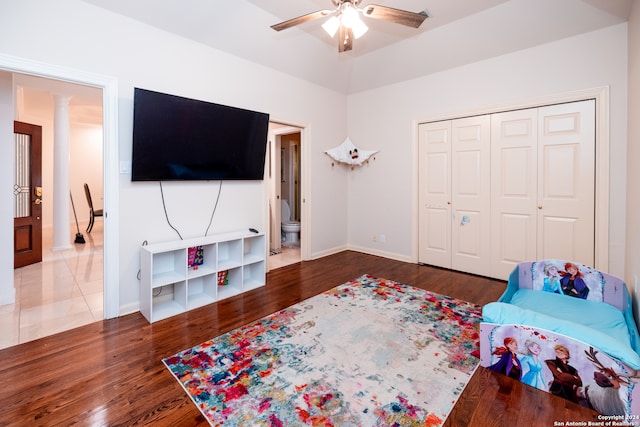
<point x="572" y="282"/>
<point x="509" y="364"/>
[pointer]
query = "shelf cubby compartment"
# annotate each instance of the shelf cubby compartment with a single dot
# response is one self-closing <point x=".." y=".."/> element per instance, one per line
<point x="202" y="291"/>
<point x="168" y="267"/>
<point x="170" y="300"/>
<point x="234" y="284"/>
<point x="229" y="254"/>
<point x="254" y="249"/>
<point x="209" y="262"/>
<point x="253" y="275"/>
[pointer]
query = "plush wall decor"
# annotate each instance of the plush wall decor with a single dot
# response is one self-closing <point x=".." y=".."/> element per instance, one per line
<point x="349" y="154"/>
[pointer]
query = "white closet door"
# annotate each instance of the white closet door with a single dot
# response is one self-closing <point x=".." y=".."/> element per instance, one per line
<point x="499" y="189"/>
<point x="514" y="145"/>
<point x="434" y="177"/>
<point x="566" y="181"/>
<point x="470" y="195"/>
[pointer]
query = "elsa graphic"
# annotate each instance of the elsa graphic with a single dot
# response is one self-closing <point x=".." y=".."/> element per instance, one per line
<point x="551" y="279"/>
<point x="532" y="365"/>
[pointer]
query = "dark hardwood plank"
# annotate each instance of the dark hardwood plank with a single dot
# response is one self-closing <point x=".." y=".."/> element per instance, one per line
<point x="110" y="372"/>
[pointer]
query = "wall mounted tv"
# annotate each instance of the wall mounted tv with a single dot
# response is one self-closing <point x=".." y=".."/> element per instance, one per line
<point x="176" y="139"/>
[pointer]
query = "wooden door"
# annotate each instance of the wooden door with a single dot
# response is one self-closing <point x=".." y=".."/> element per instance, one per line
<point x="566" y="181"/>
<point x="470" y="195"/>
<point x="28" y="194"/>
<point x="514" y="152"/>
<point x="434" y="198"/>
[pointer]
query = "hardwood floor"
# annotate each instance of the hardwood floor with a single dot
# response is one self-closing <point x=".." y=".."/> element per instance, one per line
<point x="111" y="373"/>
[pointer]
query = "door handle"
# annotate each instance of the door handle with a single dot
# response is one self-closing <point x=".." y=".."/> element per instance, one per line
<point x="38" y="201"/>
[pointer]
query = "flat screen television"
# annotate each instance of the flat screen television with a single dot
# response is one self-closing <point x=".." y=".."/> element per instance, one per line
<point x="176" y="138"/>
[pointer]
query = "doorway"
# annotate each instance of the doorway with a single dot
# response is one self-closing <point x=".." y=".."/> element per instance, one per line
<point x="286" y="229"/>
<point x="109" y="266"/>
<point x="48" y="303"/>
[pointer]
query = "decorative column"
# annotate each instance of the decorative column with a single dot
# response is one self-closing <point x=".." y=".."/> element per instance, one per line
<point x="61" y="186"/>
<point x="19" y="103"/>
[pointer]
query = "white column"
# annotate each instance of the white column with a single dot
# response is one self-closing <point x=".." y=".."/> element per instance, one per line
<point x="61" y="184"/>
<point x="18" y="103"/>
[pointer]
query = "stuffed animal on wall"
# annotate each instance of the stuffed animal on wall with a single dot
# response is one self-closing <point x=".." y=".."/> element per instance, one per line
<point x="349" y="154"/>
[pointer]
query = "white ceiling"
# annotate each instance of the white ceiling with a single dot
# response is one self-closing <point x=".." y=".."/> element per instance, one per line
<point x="456" y="33"/>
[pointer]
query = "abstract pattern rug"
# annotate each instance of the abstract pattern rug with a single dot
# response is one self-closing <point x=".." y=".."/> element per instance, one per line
<point x="370" y="352"/>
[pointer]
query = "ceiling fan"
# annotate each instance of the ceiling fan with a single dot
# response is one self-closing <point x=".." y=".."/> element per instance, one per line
<point x="345" y="20"/>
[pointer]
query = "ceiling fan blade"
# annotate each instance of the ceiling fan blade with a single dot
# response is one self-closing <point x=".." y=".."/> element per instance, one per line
<point x="345" y="39"/>
<point x="301" y="19"/>
<point x="404" y="17"/>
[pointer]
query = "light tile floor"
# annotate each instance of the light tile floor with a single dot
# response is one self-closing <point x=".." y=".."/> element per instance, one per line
<point x="288" y="256"/>
<point x="62" y="292"/>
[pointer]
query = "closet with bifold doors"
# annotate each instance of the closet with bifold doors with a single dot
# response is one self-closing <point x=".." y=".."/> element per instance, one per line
<point x="503" y="188"/>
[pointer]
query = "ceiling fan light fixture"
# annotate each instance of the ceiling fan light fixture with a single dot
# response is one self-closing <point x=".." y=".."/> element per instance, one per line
<point x="359" y="28"/>
<point x="346" y="20"/>
<point x="331" y="26"/>
<point x="350" y="18"/>
<point x="349" y="15"/>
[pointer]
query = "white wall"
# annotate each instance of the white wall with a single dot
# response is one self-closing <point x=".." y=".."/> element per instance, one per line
<point x="74" y="34"/>
<point x="382" y="195"/>
<point x="7" y="293"/>
<point x="86" y="166"/>
<point x="632" y="270"/>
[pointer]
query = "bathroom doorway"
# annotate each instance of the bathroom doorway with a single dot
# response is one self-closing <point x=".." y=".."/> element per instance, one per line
<point x="285" y="199"/>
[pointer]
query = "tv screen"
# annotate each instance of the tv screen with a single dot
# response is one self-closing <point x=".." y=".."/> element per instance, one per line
<point x="176" y="138"/>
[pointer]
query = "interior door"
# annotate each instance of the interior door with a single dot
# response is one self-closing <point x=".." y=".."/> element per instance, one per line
<point x="27" y="190"/>
<point x="470" y="195"/>
<point x="566" y="181"/>
<point x="276" y="189"/>
<point x="514" y="142"/>
<point x="295" y="175"/>
<point x="434" y="176"/>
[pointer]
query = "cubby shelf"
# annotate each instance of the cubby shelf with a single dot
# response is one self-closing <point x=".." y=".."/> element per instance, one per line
<point x="169" y="286"/>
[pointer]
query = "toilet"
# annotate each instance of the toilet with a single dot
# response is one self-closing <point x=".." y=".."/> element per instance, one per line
<point x="290" y="228"/>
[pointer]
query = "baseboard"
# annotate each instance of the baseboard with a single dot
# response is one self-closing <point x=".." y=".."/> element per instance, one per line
<point x="369" y="251"/>
<point x="129" y="309"/>
<point x="390" y="255"/>
<point x="328" y="252"/>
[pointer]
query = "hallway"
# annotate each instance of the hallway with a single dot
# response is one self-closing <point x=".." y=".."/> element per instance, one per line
<point x="62" y="292"/>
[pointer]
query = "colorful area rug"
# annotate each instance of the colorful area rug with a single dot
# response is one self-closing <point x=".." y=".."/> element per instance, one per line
<point x="370" y="352"/>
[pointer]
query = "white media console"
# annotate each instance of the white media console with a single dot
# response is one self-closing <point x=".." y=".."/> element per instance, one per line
<point x="169" y="286"/>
